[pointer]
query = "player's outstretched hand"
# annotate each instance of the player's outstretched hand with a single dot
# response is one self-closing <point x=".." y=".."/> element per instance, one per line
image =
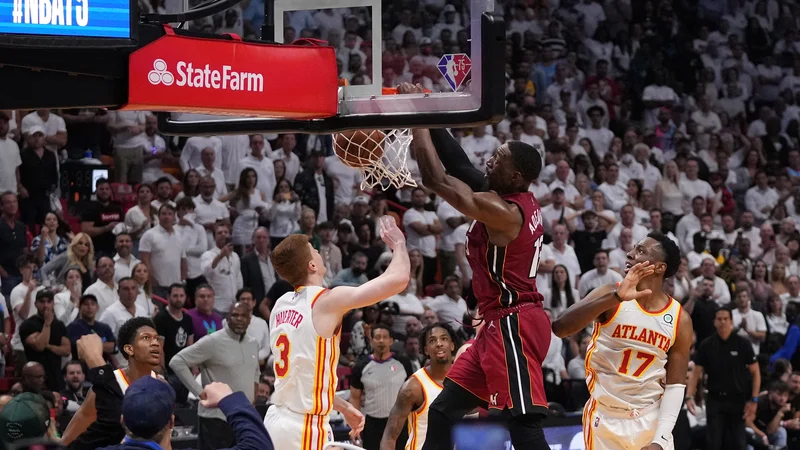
<point x="408" y="88"/>
<point x="355" y="420"/>
<point x="214" y="393"/>
<point x="628" y="288"/>
<point x="391" y="234"/>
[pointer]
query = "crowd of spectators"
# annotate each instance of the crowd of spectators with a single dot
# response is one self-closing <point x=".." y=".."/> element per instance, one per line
<point x="677" y="116"/>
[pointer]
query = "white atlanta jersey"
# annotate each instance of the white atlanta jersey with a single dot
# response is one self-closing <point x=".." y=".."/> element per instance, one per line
<point x="305" y="363"/>
<point x="626" y="359"/>
<point x="418" y="420"/>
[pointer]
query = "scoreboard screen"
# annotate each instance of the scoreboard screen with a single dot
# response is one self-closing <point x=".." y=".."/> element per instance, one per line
<point x="49" y="19"/>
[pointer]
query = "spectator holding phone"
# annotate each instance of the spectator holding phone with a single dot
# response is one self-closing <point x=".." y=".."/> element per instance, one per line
<point x="222" y="269"/>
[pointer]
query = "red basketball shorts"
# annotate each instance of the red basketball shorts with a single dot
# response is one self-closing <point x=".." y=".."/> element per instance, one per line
<point x="504" y="365"/>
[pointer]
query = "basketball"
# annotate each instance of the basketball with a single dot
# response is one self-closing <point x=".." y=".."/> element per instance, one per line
<point x="359" y="148"/>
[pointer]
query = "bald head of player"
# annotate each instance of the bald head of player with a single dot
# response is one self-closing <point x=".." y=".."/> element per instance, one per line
<point x="513" y="167"/>
<point x="298" y="262"/>
<point x="662" y="253"/>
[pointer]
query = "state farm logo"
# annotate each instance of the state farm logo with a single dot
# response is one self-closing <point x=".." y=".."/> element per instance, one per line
<point x="206" y="77"/>
<point x="160" y="74"/>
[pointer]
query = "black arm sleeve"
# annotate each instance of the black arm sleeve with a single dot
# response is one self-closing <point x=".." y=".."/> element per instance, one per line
<point x="456" y="162"/>
<point x="107" y="429"/>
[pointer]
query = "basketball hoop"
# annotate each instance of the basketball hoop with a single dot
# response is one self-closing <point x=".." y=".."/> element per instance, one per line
<point x="381" y="156"/>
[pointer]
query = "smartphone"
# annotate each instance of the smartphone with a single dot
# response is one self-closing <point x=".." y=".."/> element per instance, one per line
<point x="228" y="240"/>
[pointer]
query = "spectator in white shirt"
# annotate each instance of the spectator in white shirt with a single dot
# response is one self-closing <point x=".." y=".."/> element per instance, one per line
<point x="598" y="134"/>
<point x="479" y="147"/>
<point x="286" y="154"/>
<point x="691" y="186"/>
<point x="619" y="255"/>
<point x="627" y="220"/>
<point x="450" y="307"/>
<point x="123" y="260"/>
<point x="191" y="155"/>
<point x="162" y="251"/>
<point x="55" y="129"/>
<point x="656" y="96"/>
<point x="576" y="368"/>
<point x="208" y="210"/>
<point x="616" y="192"/>
<point x="722" y="295"/>
<point x="422" y="227"/>
<point x="707" y="120"/>
<point x="258" y="328"/>
<point x="104" y="289"/>
<point x="562" y="180"/>
<point x="155" y="152"/>
<point x="347" y="180"/>
<point x="591" y="98"/>
<point x="410" y="310"/>
<point x="234" y="149"/>
<point x="690" y="223"/>
<point x="9" y="157"/>
<point x="222" y="269"/>
<point x="130" y="143"/>
<point x="193" y="242"/>
<point x="450" y="218"/>
<point x="142" y="216"/>
<point x="792" y="294"/>
<point x="761" y="198"/>
<point x="264" y="167"/>
<point x="749" y="323"/>
<point x="208" y="168"/>
<point x="564" y="254"/>
<point x="557" y="211"/>
<point x="598" y="276"/>
<point x="125" y="308"/>
<point x="22" y="299"/>
<point x="651" y="174"/>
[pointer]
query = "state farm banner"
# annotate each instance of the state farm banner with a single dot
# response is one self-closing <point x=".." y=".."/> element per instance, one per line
<point x="187" y="74"/>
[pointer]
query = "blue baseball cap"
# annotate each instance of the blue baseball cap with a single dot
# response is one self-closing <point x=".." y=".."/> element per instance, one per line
<point x="148" y="406"/>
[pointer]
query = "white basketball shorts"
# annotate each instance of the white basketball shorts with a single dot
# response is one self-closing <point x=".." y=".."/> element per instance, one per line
<point x="292" y="431"/>
<point x="612" y="429"/>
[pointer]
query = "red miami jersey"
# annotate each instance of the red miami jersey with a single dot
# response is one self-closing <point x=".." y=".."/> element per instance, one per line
<point x="503" y="277"/>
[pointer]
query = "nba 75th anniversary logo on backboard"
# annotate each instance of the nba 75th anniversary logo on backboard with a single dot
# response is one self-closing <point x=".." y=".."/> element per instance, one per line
<point x="455" y="68"/>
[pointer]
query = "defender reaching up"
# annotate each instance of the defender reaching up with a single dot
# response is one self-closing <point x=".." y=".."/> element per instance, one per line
<point x="305" y="333"/>
<point x="502" y="370"/>
<point x="637" y="360"/>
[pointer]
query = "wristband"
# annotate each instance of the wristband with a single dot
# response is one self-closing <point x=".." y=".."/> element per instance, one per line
<point x="754" y="399"/>
<point x="616" y="294"/>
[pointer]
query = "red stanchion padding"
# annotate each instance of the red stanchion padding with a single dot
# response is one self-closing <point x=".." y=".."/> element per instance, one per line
<point x="218" y="76"/>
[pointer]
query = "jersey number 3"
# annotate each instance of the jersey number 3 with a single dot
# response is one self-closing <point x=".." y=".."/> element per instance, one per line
<point x="282" y="361"/>
<point x="647" y="361"/>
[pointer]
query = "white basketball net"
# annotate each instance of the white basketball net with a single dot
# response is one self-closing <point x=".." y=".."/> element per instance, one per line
<point x="392" y="167"/>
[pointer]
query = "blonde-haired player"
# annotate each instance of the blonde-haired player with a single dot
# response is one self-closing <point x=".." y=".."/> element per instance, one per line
<point x="637" y="361"/>
<point x="305" y="330"/>
<point x="421" y="389"/>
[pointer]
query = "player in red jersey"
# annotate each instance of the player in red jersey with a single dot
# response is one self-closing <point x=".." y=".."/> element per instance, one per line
<point x="502" y="370"/>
